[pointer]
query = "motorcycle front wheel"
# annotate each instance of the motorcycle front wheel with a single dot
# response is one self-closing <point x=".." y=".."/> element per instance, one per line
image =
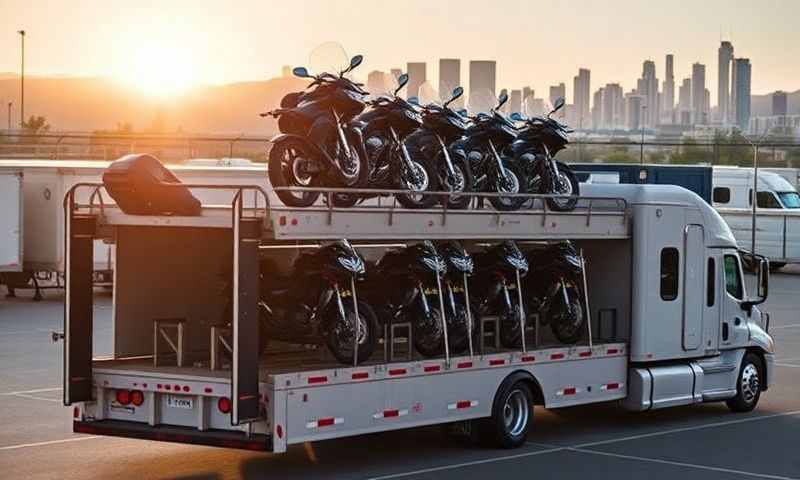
<point x="458" y="331"/>
<point x="287" y="167"/>
<point x="428" y="332"/>
<point x="510" y="334"/>
<point x="417" y="178"/>
<point x="510" y="183"/>
<point x="568" y="321"/>
<point x="341" y="335"/>
<point x="566" y="184"/>
<point x="458" y="183"/>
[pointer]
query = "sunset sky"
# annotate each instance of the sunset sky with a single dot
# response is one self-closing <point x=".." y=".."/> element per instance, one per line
<point x="535" y="42"/>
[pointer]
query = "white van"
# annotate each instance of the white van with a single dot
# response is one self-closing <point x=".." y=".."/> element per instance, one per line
<point x="778" y="208"/>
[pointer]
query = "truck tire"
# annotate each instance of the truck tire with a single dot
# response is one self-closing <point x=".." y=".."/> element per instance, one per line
<point x="512" y="416"/>
<point x="748" y="384"/>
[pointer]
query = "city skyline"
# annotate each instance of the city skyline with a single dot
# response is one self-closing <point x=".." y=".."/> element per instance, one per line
<point x="187" y="44"/>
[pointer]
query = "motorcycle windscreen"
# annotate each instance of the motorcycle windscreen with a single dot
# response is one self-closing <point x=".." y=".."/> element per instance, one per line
<point x="244" y="381"/>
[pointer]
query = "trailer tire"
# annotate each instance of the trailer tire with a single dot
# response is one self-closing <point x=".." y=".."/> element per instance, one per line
<point x="512" y="414"/>
<point x="748" y="384"/>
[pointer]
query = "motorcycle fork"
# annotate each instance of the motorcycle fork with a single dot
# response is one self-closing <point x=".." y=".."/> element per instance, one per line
<point x="447" y="160"/>
<point x="340" y="132"/>
<point x="501" y="169"/>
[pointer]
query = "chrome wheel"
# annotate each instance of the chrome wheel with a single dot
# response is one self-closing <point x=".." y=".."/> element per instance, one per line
<point x="415" y="179"/>
<point x="516" y="412"/>
<point x="750" y="386"/>
<point x="299" y="165"/>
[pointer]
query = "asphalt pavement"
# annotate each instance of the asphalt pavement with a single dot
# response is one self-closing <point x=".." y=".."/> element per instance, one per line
<point x="601" y="441"/>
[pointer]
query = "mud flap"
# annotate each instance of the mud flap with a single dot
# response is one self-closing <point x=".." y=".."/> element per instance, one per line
<point x="244" y="374"/>
<point x="78" y="309"/>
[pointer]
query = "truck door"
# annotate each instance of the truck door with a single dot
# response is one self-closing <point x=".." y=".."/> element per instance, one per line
<point x="693" y="287"/>
<point x="733" y="328"/>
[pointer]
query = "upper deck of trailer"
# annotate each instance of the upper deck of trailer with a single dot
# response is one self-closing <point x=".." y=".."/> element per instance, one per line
<point x="382" y="218"/>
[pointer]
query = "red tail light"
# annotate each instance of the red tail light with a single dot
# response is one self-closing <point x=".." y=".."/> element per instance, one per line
<point x="123" y="397"/>
<point x="224" y="405"/>
<point x="137" y="398"/>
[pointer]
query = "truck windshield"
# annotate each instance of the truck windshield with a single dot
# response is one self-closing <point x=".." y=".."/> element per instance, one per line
<point x="790" y="199"/>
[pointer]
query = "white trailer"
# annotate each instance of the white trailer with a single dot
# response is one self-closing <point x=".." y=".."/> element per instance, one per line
<point x="670" y="323"/>
<point x="10" y="220"/>
<point x="47" y="182"/>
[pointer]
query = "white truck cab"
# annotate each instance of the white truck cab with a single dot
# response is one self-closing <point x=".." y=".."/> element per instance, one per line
<point x="777" y="207"/>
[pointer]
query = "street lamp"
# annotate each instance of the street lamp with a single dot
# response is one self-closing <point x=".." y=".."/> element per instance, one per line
<point x="641" y="149"/>
<point x="754" y="196"/>
<point x="22" y="80"/>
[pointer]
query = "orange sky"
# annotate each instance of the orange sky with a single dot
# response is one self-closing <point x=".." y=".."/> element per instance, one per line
<point x="535" y="42"/>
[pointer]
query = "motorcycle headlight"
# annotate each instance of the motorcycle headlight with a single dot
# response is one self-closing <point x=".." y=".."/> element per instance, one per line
<point x="352" y="264"/>
<point x="520" y="264"/>
<point x="463" y="264"/>
<point x="435" y="264"/>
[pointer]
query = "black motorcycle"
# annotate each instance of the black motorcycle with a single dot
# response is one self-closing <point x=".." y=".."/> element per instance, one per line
<point x="537" y="143"/>
<point x="318" y="303"/>
<point x="554" y="291"/>
<point x="499" y="283"/>
<point x="461" y="310"/>
<point x="408" y="283"/>
<point x="485" y="149"/>
<point x="317" y="147"/>
<point x="385" y="126"/>
<point x="441" y="126"/>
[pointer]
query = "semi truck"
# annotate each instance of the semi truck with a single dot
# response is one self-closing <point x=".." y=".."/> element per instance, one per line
<point x="670" y="321"/>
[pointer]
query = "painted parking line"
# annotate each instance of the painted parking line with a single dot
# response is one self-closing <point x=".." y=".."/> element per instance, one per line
<point x="466" y="464"/>
<point x="779" y="327"/>
<point x="44" y="444"/>
<point x="28" y="392"/>
<point x="680" y="464"/>
<point x="790" y="365"/>
<point x="689" y="429"/>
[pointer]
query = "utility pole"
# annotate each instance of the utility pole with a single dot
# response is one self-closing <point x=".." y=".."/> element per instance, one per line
<point x="22" y="80"/>
<point x="641" y="147"/>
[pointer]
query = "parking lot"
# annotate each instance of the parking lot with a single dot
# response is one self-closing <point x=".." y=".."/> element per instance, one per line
<point x="601" y="441"/>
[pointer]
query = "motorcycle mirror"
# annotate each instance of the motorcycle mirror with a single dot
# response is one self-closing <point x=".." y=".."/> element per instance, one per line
<point x="502" y="99"/>
<point x="517" y="117"/>
<point x="558" y="105"/>
<point x="301" y="72"/>
<point x="354" y="62"/>
<point x="463" y="112"/>
<point x="457" y="92"/>
<point x="402" y="80"/>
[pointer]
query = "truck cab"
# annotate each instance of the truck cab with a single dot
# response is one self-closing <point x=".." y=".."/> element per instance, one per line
<point x="733" y="188"/>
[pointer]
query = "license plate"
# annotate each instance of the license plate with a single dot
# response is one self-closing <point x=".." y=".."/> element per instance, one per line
<point x="176" y="401"/>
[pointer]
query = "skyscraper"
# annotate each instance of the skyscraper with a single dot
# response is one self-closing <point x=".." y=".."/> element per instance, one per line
<point x="613" y="107"/>
<point x="597" y="109"/>
<point x="725" y="57"/>
<point x="779" y="103"/>
<point x="633" y="106"/>
<point x="699" y="93"/>
<point x="741" y="87"/>
<point x="377" y="83"/>
<point x="582" y="97"/>
<point x="515" y="101"/>
<point x="668" y="91"/>
<point x="684" y="115"/>
<point x="648" y="89"/>
<point x="416" y="77"/>
<point x="450" y="78"/>
<point x="482" y="88"/>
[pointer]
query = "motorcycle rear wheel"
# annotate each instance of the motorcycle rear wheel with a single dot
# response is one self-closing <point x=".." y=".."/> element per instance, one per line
<point x="285" y="171"/>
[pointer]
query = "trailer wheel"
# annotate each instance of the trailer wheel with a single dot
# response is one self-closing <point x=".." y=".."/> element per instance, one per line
<point x="748" y="384"/>
<point x="512" y="416"/>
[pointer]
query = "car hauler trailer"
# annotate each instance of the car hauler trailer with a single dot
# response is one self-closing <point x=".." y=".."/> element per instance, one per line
<point x="670" y="322"/>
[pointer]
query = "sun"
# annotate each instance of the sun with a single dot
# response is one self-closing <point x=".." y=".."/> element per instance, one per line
<point x="160" y="70"/>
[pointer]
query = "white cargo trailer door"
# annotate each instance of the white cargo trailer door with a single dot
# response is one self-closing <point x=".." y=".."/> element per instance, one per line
<point x="693" y="286"/>
<point x="10" y="222"/>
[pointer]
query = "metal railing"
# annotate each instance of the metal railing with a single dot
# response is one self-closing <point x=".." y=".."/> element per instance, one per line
<point x="173" y="148"/>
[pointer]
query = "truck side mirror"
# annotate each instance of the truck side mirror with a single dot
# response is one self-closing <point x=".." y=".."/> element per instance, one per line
<point x="763" y="279"/>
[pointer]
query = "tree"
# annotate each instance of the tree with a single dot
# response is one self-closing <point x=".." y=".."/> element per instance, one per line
<point x="35" y="125"/>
